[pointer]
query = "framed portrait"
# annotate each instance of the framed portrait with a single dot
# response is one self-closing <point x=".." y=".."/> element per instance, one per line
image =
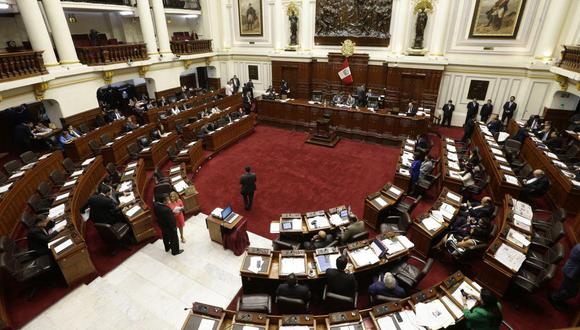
<point x="250" y="18"/>
<point x="496" y="19"/>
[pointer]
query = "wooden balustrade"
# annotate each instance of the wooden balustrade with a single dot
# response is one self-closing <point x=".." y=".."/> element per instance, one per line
<point x="108" y="2"/>
<point x="186" y="47"/>
<point x="109" y="54"/>
<point x="20" y="65"/>
<point x="570" y="58"/>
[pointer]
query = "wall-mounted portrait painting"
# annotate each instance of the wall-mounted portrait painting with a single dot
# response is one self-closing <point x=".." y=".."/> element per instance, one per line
<point x="250" y="19"/>
<point x="496" y="19"/>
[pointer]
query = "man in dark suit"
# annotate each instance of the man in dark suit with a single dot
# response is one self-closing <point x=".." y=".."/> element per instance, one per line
<point x="411" y="109"/>
<point x="38" y="237"/>
<point x="168" y="224"/>
<point x="284" y="89"/>
<point x="536" y="186"/>
<point x="509" y="108"/>
<point x="495" y="125"/>
<point x="476" y="210"/>
<point x="251" y="87"/>
<point x="247" y="102"/>
<point x="361" y="96"/>
<point x="448" y="113"/>
<point x="545" y="133"/>
<point x="321" y="240"/>
<point x="339" y="281"/>
<point x="468" y="130"/>
<point x="535" y="123"/>
<point x="103" y="207"/>
<point x="236" y="86"/>
<point x="292" y="289"/>
<point x="486" y="111"/>
<point x="472" y="109"/>
<point x="248" y="182"/>
<point x="23" y="136"/>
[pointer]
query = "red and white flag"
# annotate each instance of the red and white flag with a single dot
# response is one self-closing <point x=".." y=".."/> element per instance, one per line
<point x="345" y="73"/>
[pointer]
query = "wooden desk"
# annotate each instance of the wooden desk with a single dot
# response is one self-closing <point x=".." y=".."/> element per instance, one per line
<point x="230" y="133"/>
<point x="85" y="186"/>
<point x="74" y="262"/>
<point x="498" y="184"/>
<point x="200" y="312"/>
<point x="364" y="124"/>
<point x="187" y="195"/>
<point x="191" y="155"/>
<point x="116" y="152"/>
<point x="79" y="149"/>
<point x="190" y="130"/>
<point x="170" y="122"/>
<point x="216" y="227"/>
<point x="156" y="154"/>
<point x="424" y="238"/>
<point x="378" y="203"/>
<point x="452" y="183"/>
<point x="14" y="201"/>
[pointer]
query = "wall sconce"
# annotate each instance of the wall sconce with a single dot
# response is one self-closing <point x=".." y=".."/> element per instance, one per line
<point x="72" y="18"/>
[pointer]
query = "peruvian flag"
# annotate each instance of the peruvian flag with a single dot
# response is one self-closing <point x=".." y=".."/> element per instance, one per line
<point x="344" y="73"/>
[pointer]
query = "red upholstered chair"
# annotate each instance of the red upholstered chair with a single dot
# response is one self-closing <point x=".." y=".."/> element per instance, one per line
<point x="237" y="239"/>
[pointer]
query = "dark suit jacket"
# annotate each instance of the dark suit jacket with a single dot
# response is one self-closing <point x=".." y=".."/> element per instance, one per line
<point x="495" y="126"/>
<point x="165" y="216"/>
<point x="248" y="182"/>
<point x="448" y="109"/>
<point x="298" y="291"/>
<point x="486" y="110"/>
<point x="507" y="108"/>
<point x="537" y="187"/>
<point x="472" y="108"/>
<point x="485" y="211"/>
<point x="103" y="209"/>
<point x="341" y="282"/>
<point x="236" y="83"/>
<point x="37" y="240"/>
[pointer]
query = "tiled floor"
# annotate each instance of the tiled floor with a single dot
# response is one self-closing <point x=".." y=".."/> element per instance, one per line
<point x="151" y="289"/>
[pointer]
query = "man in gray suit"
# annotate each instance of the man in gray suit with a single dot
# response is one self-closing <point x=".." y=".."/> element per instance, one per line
<point x="248" y="182"/>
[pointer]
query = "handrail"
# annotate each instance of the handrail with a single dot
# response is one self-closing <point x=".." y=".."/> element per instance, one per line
<point x="109" y="54"/>
<point x="185" y="47"/>
<point x="19" y="65"/>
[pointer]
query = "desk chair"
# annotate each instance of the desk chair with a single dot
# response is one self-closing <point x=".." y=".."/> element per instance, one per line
<point x="530" y="281"/>
<point x="113" y="173"/>
<point x="12" y="166"/>
<point x="410" y="275"/>
<point x="398" y="224"/>
<point x="380" y="299"/>
<point x="543" y="219"/>
<point x="351" y="300"/>
<point x="260" y="303"/>
<point x="283" y="300"/>
<point x="525" y="171"/>
<point x="179" y="144"/>
<point x="172" y="153"/>
<point x="84" y="128"/>
<point x="470" y="192"/>
<point x="425" y="184"/>
<point x="106" y="138"/>
<point x="475" y="252"/>
<point x="95" y="147"/>
<point x="69" y="165"/>
<point x="571" y="154"/>
<point x="546" y="239"/>
<point x="28" y="157"/>
<point x="408" y="204"/>
<point x="179" y="125"/>
<point x="512" y="146"/>
<point x="143" y="141"/>
<point x="113" y="235"/>
<point x="57" y="177"/>
<point x="279" y="244"/>
<point x="38" y="205"/>
<point x="44" y="189"/>
<point x="25" y="267"/>
<point x="3" y="178"/>
<point x="134" y="150"/>
<point x="29" y="220"/>
<point x="542" y="259"/>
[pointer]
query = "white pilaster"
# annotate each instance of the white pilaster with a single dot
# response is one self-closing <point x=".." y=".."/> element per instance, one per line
<point x="146" y="23"/>
<point x="36" y="30"/>
<point x="60" y="32"/>
<point x="439" y="31"/>
<point x="305" y="21"/>
<point x="161" y="26"/>
<point x="278" y="25"/>
<point x="399" y="37"/>
<point x="551" y="29"/>
<point x="227" y="24"/>
<point x="210" y="17"/>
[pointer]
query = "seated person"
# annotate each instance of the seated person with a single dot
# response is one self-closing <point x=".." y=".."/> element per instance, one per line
<point x="203" y="131"/>
<point x="270" y="93"/>
<point x="350" y="101"/>
<point x="426" y="167"/>
<point x="318" y="241"/>
<point x="474" y="210"/>
<point x="130" y="125"/>
<point x="469" y="235"/>
<point x="73" y="131"/>
<point x="337" y="99"/>
<point x="534" y="123"/>
<point x="386" y="285"/>
<point x="65" y="138"/>
<point x="41" y="129"/>
<point x="115" y="115"/>
<point x="536" y="186"/>
<point x="174" y="111"/>
<point x="103" y="208"/>
<point x="473" y="160"/>
<point x="292" y="289"/>
<point x="495" y="125"/>
<point x="39" y="236"/>
<point x="347" y="233"/>
<point x="520" y="135"/>
<point x="574" y="122"/>
<point x="546" y="132"/>
<point x="340" y="282"/>
<point x="423" y="144"/>
<point x="411" y="109"/>
<point x="284" y="89"/>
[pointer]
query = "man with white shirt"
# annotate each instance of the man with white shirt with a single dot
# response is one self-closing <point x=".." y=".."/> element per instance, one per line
<point x="411" y="109"/>
<point x="229" y="88"/>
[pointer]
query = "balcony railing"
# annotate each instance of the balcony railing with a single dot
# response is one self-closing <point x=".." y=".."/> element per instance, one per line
<point x="20" y="65"/>
<point x="182" y="4"/>
<point x="570" y="58"/>
<point x="107" y="2"/>
<point x="109" y="54"/>
<point x="187" y="47"/>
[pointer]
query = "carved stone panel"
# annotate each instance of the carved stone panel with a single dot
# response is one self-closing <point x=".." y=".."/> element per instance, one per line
<point x="366" y="22"/>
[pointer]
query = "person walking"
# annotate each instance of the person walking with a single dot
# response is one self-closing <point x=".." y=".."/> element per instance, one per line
<point x="248" y="182"/>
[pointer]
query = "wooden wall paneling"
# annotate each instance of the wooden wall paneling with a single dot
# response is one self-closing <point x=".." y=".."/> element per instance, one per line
<point x="377" y="78"/>
<point x="167" y="92"/>
<point x="86" y="117"/>
<point x="214" y="83"/>
<point x="297" y="74"/>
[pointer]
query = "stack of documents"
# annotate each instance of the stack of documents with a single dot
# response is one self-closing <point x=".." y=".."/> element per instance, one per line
<point x="431" y="224"/>
<point x="291" y="224"/>
<point x="125" y="186"/>
<point x="470" y="291"/>
<point x="510" y="257"/>
<point x="517" y="238"/>
<point x="255" y="264"/>
<point x="364" y="256"/>
<point x="453" y="165"/>
<point x="180" y="186"/>
<point x="404" y="172"/>
<point x="60" y="247"/>
<point x="325" y="261"/>
<point x="76" y="173"/>
<point x="289" y="265"/>
<point x="381" y="201"/>
<point x="455" y="175"/>
<point x="511" y="179"/>
<point x="130" y="166"/>
<point x="56" y="211"/>
<point x="522" y="223"/>
<point x="174" y="170"/>
<point x="447" y="210"/>
<point x="130" y="172"/>
<point x="336" y="220"/>
<point x="132" y="211"/>
<point x="393" y="246"/>
<point x="452" y="156"/>
<point x="522" y="209"/>
<point x="433" y="315"/>
<point x="127" y="199"/>
<point x="319" y="221"/>
<point x="406" y="320"/>
<point x="454" y="197"/>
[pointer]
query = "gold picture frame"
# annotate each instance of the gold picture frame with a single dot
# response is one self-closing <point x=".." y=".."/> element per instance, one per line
<point x="250" y="18"/>
<point x="496" y="19"/>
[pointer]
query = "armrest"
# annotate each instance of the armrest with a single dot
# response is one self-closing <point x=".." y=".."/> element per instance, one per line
<point x="387" y="298"/>
<point x="27" y="255"/>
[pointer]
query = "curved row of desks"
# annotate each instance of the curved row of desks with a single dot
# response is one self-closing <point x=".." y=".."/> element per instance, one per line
<point x="79" y="149"/>
<point x="170" y="122"/>
<point x="152" y="115"/>
<point x="445" y="298"/>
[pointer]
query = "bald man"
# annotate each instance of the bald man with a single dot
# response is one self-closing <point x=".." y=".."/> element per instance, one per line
<point x="474" y="210"/>
<point x="321" y="240"/>
<point x="536" y="186"/>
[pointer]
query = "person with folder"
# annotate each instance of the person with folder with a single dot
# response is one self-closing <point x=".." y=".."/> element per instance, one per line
<point x="167" y="223"/>
<point x="487" y="315"/>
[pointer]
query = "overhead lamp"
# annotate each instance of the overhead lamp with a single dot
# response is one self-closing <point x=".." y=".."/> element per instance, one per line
<point x="126" y="13"/>
<point x="4" y="6"/>
<point x="191" y="16"/>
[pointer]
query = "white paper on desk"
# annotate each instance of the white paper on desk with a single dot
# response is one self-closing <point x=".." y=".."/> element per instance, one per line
<point x="180" y="186"/>
<point x="275" y="227"/>
<point x="406" y="242"/>
<point x="127" y="199"/>
<point x="453" y="197"/>
<point x="551" y="154"/>
<point x="62" y="196"/>
<point x="289" y="265"/>
<point x="183" y="152"/>
<point x="176" y="178"/>
<point x="44" y="156"/>
<point x="336" y="220"/>
<point x="496" y="151"/>
<point x="386" y="323"/>
<point x="452" y="156"/>
<point x="16" y="175"/>
<point x="5" y="187"/>
<point x="522" y="223"/>
<point x="493" y="144"/>
<point x="523" y="209"/>
<point x="396" y="191"/>
<point x="431" y="224"/>
<point x="409" y="148"/>
<point x="453" y="165"/>
<point x="88" y="161"/>
<point x="449" y="140"/>
<point x="206" y="324"/>
<point x="63" y="246"/>
<point x="455" y="310"/>
<point x="470" y="290"/>
<point x="76" y="173"/>
<point x="154" y="141"/>
<point x="55" y="241"/>
<point x="175" y="169"/>
<point x="130" y="172"/>
<point x="249" y="327"/>
<point x="510" y="257"/>
<point x="393" y="246"/>
<point x="56" y="211"/>
<point x="411" y="142"/>
<point x="501" y="159"/>
<point x="119" y="137"/>
<point x="502" y="136"/>
<point x="364" y="256"/>
<point x="27" y="166"/>
<point x="559" y="163"/>
<point x="511" y="179"/>
<point x="70" y="183"/>
<point x="146" y="149"/>
<point x="433" y="315"/>
<point x="576" y="183"/>
<point x="517" y="238"/>
<point x="319" y="221"/>
<point x="379" y="200"/>
<point x="255" y="264"/>
<point x="447" y="210"/>
<point x="455" y="175"/>
<point x="132" y="165"/>
<point x="404" y="172"/>
<point x="505" y="168"/>
<point x="166" y="134"/>
<point x="125" y="186"/>
<point x="451" y="148"/>
<point x="191" y="144"/>
<point x="59" y="226"/>
<point x="132" y="211"/>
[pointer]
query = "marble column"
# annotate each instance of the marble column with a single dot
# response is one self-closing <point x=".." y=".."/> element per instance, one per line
<point x="161" y="26"/>
<point x="36" y="30"/>
<point x="211" y="18"/>
<point x="278" y="34"/>
<point x="400" y="35"/>
<point x="227" y="25"/>
<point x="551" y="29"/>
<point x="146" y="23"/>
<point x="439" y="30"/>
<point x="60" y="32"/>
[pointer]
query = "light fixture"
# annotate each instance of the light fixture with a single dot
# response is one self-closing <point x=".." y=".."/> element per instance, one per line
<point x="126" y="13"/>
<point x="4" y="6"/>
<point x="71" y="18"/>
<point x="191" y="16"/>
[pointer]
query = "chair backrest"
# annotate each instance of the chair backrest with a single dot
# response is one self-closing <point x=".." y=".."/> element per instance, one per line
<point x="7" y="244"/>
<point x="171" y="152"/>
<point x="84" y="128"/>
<point x="28" y="157"/>
<point x="95" y="147"/>
<point x="179" y="144"/>
<point x="555" y="254"/>
<point x="559" y="215"/>
<point x="12" y="166"/>
<point x="512" y="144"/>
<point x="106" y="138"/>
<point x="111" y="168"/>
<point x="556" y="231"/>
<point x="69" y="165"/>
<point x="57" y="177"/>
<point x="44" y="189"/>
<point x="8" y="263"/>
<point x="162" y="189"/>
<point x="28" y="219"/>
<point x="3" y="178"/>
<point x="143" y="141"/>
<point x="547" y="274"/>
<point x="105" y="232"/>
<point x="133" y="149"/>
<point x="573" y="150"/>
<point x="404" y="221"/>
<point x="36" y="203"/>
<point x="526" y="171"/>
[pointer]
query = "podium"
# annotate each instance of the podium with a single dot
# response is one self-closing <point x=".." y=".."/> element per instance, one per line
<point x="215" y="227"/>
<point x="324" y="135"/>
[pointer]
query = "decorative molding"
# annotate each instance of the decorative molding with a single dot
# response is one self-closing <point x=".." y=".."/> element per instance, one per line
<point x="1" y="98"/>
<point x="39" y="90"/>
<point x="143" y="70"/>
<point x="563" y="81"/>
<point x="187" y="64"/>
<point x="108" y="77"/>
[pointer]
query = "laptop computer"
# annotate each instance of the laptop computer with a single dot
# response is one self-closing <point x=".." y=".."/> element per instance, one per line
<point x="228" y="214"/>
